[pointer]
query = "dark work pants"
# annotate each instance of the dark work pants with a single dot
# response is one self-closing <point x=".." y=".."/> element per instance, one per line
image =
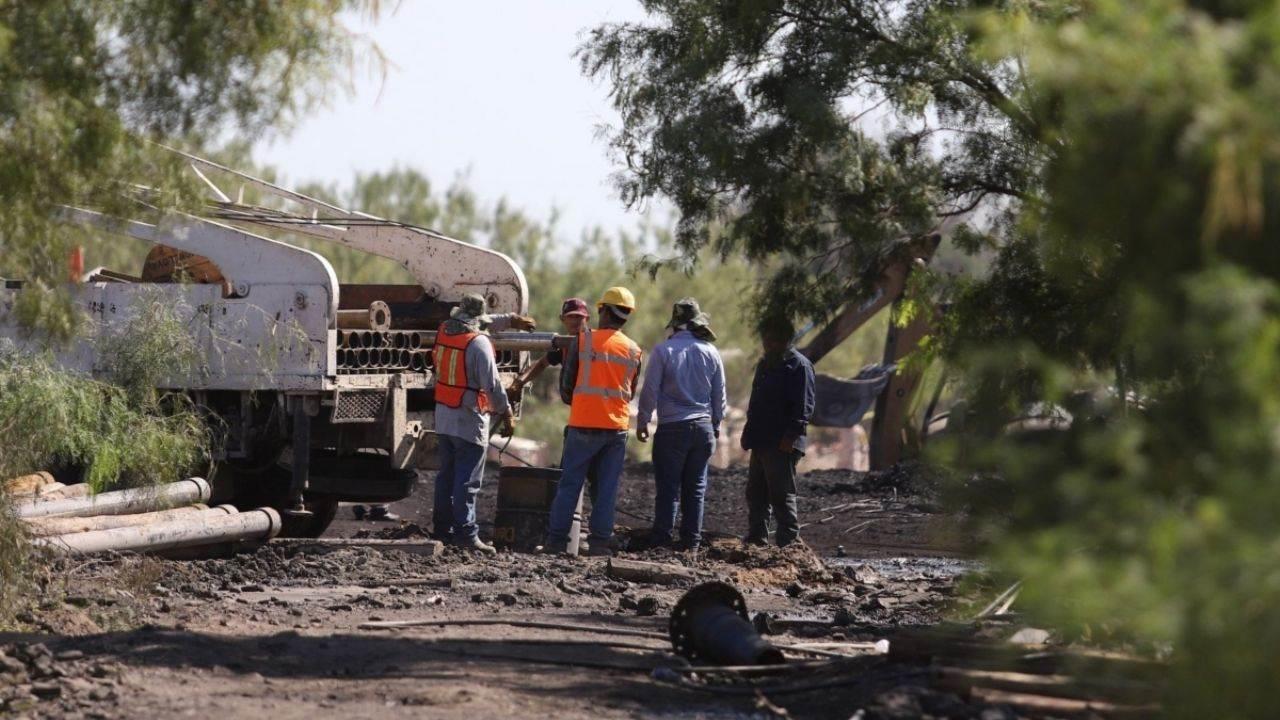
<point x="771" y="488"/>
<point x="681" y="451"/>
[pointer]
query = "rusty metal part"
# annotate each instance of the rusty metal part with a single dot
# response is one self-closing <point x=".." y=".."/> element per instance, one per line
<point x="28" y="484"/>
<point x="376" y="317"/>
<point x="710" y="625"/>
<point x="524" y="508"/>
<point x="209" y="527"/>
<point x="43" y="527"/>
<point x="121" y="502"/>
<point x="165" y="264"/>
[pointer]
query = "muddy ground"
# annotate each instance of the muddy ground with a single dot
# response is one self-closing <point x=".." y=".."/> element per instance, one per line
<point x="895" y="513"/>
<point x="277" y="632"/>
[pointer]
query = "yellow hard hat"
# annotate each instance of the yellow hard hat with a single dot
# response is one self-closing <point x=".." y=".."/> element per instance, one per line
<point x="619" y="296"/>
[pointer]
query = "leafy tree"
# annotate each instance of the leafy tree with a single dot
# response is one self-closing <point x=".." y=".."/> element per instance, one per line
<point x="1121" y="155"/>
<point x="752" y="119"/>
<point x="1147" y="277"/>
<point x="84" y="83"/>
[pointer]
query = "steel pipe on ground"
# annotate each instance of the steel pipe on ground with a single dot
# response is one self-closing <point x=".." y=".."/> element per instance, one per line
<point x="44" y="527"/>
<point x="121" y="502"/>
<point x="200" y="529"/>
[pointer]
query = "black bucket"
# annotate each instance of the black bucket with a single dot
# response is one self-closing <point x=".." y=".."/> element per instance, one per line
<point x="525" y="495"/>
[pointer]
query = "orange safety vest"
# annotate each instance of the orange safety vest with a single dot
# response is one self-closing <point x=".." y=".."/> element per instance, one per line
<point x="451" y="370"/>
<point x="607" y="361"/>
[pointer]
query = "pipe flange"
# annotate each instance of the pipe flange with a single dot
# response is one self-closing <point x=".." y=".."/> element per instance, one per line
<point x="708" y="593"/>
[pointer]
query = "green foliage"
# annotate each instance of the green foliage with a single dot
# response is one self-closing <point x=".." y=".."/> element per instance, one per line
<point x="15" y="563"/>
<point x="119" y="434"/>
<point x="1139" y="293"/>
<point x="749" y="117"/>
<point x="83" y="83"/>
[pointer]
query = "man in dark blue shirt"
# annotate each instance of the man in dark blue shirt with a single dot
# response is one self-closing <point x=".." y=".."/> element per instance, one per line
<point x="777" y="425"/>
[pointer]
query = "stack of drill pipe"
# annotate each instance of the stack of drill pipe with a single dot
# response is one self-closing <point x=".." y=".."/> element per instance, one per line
<point x="120" y="502"/>
<point x="202" y="528"/>
<point x="399" y="350"/>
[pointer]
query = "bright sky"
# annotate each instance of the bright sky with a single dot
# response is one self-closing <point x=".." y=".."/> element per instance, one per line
<point x="484" y="87"/>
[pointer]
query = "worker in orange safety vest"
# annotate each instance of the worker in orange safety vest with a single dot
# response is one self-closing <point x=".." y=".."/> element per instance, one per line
<point x="468" y="392"/>
<point x="600" y="376"/>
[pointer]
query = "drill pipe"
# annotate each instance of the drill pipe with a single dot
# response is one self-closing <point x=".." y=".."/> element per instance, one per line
<point x="200" y="529"/>
<point x="42" y="527"/>
<point x="376" y="317"/>
<point x="534" y="341"/>
<point x="121" y="502"/>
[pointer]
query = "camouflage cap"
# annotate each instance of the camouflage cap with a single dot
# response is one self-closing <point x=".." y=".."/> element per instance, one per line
<point x="686" y="314"/>
<point x="472" y="307"/>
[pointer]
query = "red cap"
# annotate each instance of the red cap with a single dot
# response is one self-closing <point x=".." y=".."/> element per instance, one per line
<point x="574" y="306"/>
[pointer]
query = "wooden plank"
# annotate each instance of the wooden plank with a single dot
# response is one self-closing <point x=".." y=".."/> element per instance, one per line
<point x="426" y="548"/>
<point x="1062" y="706"/>
<point x="962" y="681"/>
<point x="650" y="572"/>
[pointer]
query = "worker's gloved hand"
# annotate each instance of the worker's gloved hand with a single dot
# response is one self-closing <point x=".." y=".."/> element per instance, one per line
<point x="787" y="445"/>
<point x="507" y="426"/>
<point x="517" y="385"/>
<point x="642" y="433"/>
<point x="523" y="322"/>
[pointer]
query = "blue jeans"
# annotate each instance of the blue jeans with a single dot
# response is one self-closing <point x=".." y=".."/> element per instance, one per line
<point x="605" y="450"/>
<point x="681" y="451"/>
<point x="461" y="473"/>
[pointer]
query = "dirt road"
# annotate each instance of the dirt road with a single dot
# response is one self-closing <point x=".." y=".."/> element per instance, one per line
<point x="277" y="633"/>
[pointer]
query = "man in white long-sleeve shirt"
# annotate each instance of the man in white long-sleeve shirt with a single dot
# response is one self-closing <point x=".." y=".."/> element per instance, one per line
<point x="685" y="384"/>
<point x="468" y="391"/>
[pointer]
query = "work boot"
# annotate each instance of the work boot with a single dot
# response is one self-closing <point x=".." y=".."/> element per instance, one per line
<point x="648" y="542"/>
<point x="683" y="545"/>
<point x="554" y="549"/>
<point x="600" y="549"/>
<point x="477" y="545"/>
<point x="757" y="540"/>
<point x="380" y="512"/>
<point x="358" y="511"/>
